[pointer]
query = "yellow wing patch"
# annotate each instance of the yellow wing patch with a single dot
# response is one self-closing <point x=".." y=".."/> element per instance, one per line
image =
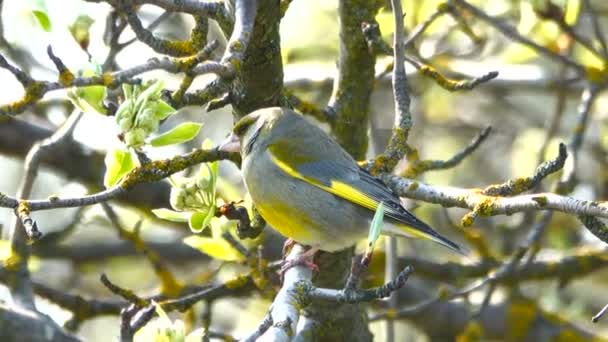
<point x="336" y="187"/>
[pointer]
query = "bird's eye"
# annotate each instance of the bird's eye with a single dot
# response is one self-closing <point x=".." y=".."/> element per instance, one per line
<point x="242" y="125"/>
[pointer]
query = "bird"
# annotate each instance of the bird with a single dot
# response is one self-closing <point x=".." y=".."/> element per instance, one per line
<point x="309" y="189"/>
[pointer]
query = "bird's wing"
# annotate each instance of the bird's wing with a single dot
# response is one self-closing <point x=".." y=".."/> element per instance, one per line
<point x="343" y="177"/>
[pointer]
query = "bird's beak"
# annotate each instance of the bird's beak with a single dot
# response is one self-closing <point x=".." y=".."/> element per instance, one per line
<point x="231" y="144"/>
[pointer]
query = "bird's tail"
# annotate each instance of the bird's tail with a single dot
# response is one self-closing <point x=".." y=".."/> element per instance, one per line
<point x="420" y="230"/>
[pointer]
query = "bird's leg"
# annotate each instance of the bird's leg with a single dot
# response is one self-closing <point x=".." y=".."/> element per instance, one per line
<point x="305" y="259"/>
<point x="287" y="246"/>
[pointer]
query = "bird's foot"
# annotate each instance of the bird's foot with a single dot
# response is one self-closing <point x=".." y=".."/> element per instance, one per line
<point x="305" y="259"/>
<point x="287" y="246"/>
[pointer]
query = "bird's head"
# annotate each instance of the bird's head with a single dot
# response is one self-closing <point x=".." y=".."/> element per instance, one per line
<point x="252" y="130"/>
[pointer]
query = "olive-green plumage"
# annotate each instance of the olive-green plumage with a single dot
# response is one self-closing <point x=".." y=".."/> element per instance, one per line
<point x="309" y="189"/>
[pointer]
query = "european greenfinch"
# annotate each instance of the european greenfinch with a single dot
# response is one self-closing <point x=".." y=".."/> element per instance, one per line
<point x="309" y="189"/>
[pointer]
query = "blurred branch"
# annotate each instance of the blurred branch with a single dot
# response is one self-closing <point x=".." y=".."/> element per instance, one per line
<point x="509" y="267"/>
<point x="597" y="29"/>
<point x="497" y="323"/>
<point x="599" y="315"/>
<point x="419" y="166"/>
<point x="588" y="96"/>
<point x="552" y="12"/>
<point x="75" y="162"/>
<point x="154" y="171"/>
<point x="22" y="225"/>
<point x="420" y="28"/>
<point x="81" y="308"/>
<point x="572" y="266"/>
<point x="377" y="45"/>
<point x="35" y="90"/>
<point x="17" y="324"/>
<point x="173" y="48"/>
<point x="511" y="33"/>
<point x="213" y="9"/>
<point x="170" y="286"/>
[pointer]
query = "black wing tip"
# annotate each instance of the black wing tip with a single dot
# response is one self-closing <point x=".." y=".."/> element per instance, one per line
<point x="455" y="247"/>
<point x="442" y="240"/>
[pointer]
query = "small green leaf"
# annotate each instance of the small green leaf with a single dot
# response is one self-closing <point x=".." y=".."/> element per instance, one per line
<point x="152" y="92"/>
<point x="217" y="248"/>
<point x="118" y="163"/>
<point x="80" y="30"/>
<point x="197" y="221"/>
<point x="40" y="12"/>
<point x="172" y="215"/>
<point x="43" y="20"/>
<point x="376" y="226"/>
<point x="164" y="110"/>
<point x="89" y="99"/>
<point x="181" y="133"/>
<point x="93" y="97"/>
<point x="210" y="215"/>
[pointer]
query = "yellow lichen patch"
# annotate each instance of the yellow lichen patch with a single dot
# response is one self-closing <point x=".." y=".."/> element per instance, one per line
<point x="66" y="78"/>
<point x="236" y="46"/>
<point x="379" y="165"/>
<point x="485" y="206"/>
<point x="23" y="208"/>
<point x="236" y="64"/>
<point x="169" y="285"/>
<point x="12" y="261"/>
<point x="596" y="75"/>
<point x="413" y="186"/>
<point x="520" y="185"/>
<point x="183" y="47"/>
<point x="441" y="80"/>
<point x="391" y="313"/>
<point x="237" y="282"/>
<point x="569" y="335"/>
<point x="467" y="220"/>
<point x="107" y="79"/>
<point x="520" y="316"/>
<point x="541" y="200"/>
<point x="472" y="332"/>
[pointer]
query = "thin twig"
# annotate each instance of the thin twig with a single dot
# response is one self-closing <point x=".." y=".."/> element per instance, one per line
<point x="21" y="288"/>
<point x="511" y="32"/>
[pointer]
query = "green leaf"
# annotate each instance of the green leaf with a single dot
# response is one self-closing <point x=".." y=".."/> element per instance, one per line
<point x="92" y="99"/>
<point x="376" y="226"/>
<point x="210" y="215"/>
<point x="573" y="7"/>
<point x="172" y="215"/>
<point x="179" y="134"/>
<point x="197" y="221"/>
<point x="152" y="92"/>
<point x="40" y="12"/>
<point x="89" y="99"/>
<point x="118" y="163"/>
<point x="80" y="30"/>
<point x="217" y="248"/>
<point x="43" y="20"/>
<point x="164" y="110"/>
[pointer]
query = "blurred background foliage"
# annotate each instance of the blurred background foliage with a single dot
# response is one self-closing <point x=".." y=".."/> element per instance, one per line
<point x="520" y="105"/>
